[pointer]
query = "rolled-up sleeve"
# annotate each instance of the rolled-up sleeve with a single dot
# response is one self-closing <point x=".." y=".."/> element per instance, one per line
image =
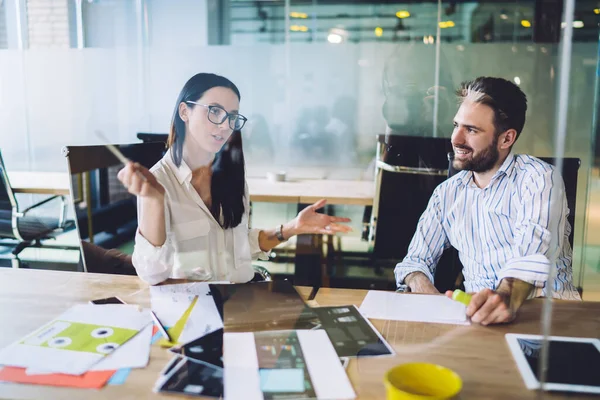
<point x="154" y="264"/>
<point x="427" y="244"/>
<point x="540" y="234"/>
<point x="255" y="251"/>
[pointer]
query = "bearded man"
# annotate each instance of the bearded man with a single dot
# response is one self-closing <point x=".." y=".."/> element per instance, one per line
<point x="506" y="214"/>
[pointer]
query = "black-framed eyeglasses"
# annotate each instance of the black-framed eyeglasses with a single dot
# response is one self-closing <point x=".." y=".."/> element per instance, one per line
<point x="217" y="115"/>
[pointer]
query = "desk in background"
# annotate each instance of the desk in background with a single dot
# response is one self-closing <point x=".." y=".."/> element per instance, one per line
<point x="480" y="355"/>
<point x="38" y="182"/>
<point x="307" y="191"/>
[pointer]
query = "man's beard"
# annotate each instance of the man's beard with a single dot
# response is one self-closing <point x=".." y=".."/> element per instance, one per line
<point x="480" y="162"/>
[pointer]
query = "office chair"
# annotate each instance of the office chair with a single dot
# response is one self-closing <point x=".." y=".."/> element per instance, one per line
<point x="408" y="169"/>
<point x="109" y="217"/>
<point x="21" y="226"/>
<point x="152" y="137"/>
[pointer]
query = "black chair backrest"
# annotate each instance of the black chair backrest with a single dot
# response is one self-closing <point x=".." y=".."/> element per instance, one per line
<point x="7" y="199"/>
<point x="115" y="219"/>
<point x="88" y="158"/>
<point x="403" y="195"/>
<point x="152" y="137"/>
<point x="7" y="203"/>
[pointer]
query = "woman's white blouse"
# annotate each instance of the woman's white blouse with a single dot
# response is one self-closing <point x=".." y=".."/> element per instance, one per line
<point x="197" y="247"/>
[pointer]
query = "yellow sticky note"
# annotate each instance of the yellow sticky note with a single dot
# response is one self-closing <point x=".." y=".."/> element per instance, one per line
<point x="175" y="330"/>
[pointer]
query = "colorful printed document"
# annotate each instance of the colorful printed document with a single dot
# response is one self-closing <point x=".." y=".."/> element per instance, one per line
<point x="78" y="339"/>
<point x="283" y="364"/>
<point x="171" y="304"/>
<point x="89" y="380"/>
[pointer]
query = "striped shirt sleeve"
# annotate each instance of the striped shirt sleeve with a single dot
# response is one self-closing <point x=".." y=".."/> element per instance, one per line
<point x="539" y="231"/>
<point x="427" y="244"/>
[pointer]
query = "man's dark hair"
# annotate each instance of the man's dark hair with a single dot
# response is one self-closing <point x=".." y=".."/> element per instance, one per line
<point x="504" y="97"/>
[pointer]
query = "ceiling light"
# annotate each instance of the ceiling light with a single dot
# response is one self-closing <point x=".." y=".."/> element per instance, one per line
<point x="294" y="14"/>
<point x="446" y="24"/>
<point x="334" y="38"/>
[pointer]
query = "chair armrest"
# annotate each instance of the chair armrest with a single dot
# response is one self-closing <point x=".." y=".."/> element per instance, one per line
<point x="49" y="199"/>
<point x="263" y="272"/>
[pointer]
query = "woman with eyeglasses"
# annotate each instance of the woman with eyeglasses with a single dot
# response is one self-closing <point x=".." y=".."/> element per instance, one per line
<point x="193" y="205"/>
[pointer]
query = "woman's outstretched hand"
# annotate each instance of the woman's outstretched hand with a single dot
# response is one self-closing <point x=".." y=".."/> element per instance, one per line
<point x="310" y="221"/>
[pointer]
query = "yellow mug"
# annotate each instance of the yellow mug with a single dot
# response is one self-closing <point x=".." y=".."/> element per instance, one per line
<point x="421" y="381"/>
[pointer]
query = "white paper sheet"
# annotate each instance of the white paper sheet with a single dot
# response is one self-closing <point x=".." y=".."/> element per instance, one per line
<point x="68" y="345"/>
<point x="203" y="319"/>
<point x="242" y="378"/>
<point x="169" y="302"/>
<point x="413" y="307"/>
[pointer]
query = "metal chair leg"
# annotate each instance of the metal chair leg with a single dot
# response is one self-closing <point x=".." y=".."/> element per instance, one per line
<point x="15" y="262"/>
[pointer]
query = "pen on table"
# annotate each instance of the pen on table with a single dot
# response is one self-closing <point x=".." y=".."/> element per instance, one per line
<point x="117" y="153"/>
<point x="161" y="328"/>
<point x="461" y="297"/>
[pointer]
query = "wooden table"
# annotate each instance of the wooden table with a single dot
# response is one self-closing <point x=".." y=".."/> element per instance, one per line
<point x="30" y="298"/>
<point x="39" y="182"/>
<point x="308" y="191"/>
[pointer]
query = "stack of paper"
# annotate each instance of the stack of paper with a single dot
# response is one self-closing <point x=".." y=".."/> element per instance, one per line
<point x="82" y="347"/>
<point x="412" y="307"/>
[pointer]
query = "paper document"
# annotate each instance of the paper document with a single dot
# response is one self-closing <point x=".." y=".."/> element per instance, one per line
<point x="413" y="307"/>
<point x="283" y="364"/>
<point x="203" y="319"/>
<point x="78" y="339"/>
<point x="169" y="302"/>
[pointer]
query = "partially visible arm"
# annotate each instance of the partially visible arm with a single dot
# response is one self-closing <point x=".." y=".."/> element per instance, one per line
<point x="267" y="239"/>
<point x="418" y="282"/>
<point x="152" y="263"/>
<point x="307" y="221"/>
<point x="426" y="248"/>
<point x="540" y="235"/>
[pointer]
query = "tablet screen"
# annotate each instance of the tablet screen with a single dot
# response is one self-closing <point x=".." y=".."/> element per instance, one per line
<point x="571" y="363"/>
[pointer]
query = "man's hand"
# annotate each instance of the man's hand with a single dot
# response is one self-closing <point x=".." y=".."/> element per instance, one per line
<point x="420" y="283"/>
<point x="500" y="306"/>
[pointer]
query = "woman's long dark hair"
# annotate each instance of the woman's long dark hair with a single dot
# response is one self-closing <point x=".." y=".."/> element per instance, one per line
<point x="228" y="172"/>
